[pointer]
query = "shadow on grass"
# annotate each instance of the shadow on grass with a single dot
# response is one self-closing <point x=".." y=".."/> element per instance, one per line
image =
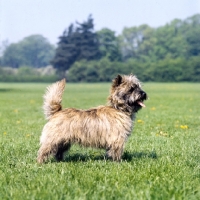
<point x="83" y="157"/>
<point x="127" y="156"/>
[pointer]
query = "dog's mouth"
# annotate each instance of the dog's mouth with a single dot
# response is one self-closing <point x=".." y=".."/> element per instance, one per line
<point x="142" y="98"/>
<point x="141" y="103"/>
<point x="137" y="104"/>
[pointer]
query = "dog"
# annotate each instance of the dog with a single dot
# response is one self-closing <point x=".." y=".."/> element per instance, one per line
<point x="107" y="127"/>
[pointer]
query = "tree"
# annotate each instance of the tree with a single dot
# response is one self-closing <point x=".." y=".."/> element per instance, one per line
<point x="33" y="51"/>
<point x="109" y="44"/>
<point x="192" y="32"/>
<point x="136" y="40"/>
<point x="12" y="56"/>
<point x="87" y="41"/>
<point x="3" y="46"/>
<point x="66" y="52"/>
<point x="193" y="41"/>
<point x="36" y="50"/>
<point x="75" y="44"/>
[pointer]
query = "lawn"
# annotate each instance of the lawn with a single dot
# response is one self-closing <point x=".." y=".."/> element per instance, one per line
<point x="161" y="159"/>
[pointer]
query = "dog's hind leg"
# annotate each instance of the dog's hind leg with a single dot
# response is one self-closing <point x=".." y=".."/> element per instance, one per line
<point x="57" y="150"/>
<point x="44" y="152"/>
<point x="61" y="150"/>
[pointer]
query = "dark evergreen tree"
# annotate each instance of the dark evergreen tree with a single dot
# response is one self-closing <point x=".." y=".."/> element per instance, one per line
<point x="66" y="52"/>
<point x="87" y="40"/>
<point x="76" y="43"/>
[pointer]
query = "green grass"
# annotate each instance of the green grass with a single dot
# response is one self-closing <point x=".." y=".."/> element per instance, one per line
<point x="161" y="159"/>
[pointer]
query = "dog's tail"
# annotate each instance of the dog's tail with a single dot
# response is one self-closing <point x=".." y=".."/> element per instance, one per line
<point x="53" y="98"/>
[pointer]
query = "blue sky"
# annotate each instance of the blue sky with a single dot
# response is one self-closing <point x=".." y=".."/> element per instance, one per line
<point x="21" y="18"/>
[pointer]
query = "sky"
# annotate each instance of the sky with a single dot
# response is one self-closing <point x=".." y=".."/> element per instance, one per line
<point x="22" y="18"/>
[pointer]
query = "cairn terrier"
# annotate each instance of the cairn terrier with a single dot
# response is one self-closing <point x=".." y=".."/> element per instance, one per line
<point x="106" y="127"/>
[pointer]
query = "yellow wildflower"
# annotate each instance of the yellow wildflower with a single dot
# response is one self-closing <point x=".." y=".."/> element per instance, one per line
<point x="184" y="126"/>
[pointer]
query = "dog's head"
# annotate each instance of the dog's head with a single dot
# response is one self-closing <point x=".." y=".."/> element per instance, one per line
<point x="126" y="94"/>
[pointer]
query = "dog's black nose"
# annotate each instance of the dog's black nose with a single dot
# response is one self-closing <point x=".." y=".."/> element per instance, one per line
<point x="143" y="95"/>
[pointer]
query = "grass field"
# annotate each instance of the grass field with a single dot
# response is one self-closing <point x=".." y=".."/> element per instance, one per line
<point x="161" y="159"/>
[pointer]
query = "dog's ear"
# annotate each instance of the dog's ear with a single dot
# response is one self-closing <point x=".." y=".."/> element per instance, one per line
<point x="117" y="81"/>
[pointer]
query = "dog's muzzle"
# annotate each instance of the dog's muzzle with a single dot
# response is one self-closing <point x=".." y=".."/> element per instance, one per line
<point x="143" y="96"/>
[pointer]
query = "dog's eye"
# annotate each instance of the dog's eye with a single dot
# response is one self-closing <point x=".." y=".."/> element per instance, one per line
<point x="131" y="89"/>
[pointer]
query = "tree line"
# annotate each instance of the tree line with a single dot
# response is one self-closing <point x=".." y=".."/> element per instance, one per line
<point x="167" y="53"/>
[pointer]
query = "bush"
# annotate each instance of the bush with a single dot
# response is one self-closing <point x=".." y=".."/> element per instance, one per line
<point x="97" y="71"/>
<point x="166" y="70"/>
<point x="25" y="74"/>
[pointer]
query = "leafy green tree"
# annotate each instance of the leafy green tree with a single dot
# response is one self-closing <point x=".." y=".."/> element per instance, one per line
<point x="137" y="42"/>
<point x="191" y="32"/>
<point x="170" y="41"/>
<point x="109" y="44"/>
<point x="3" y="46"/>
<point x="193" y="41"/>
<point x="36" y="50"/>
<point x="33" y="51"/>
<point x="12" y="56"/>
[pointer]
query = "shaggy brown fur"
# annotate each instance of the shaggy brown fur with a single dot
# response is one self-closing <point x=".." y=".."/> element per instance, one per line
<point x="106" y="127"/>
